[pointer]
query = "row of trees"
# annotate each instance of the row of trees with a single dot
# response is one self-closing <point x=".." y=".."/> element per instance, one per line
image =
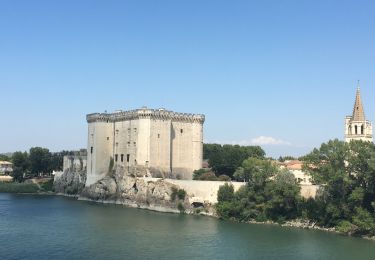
<point x="225" y="159"/>
<point x="35" y="162"/>
<point x="346" y="199"/>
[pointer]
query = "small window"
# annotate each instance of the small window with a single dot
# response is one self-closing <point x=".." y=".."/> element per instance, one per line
<point x="122" y="158"/>
<point x="135" y="143"/>
<point x="116" y="157"/>
<point x="135" y="130"/>
<point x="116" y="144"/>
<point x="158" y="135"/>
<point x="128" y="157"/>
<point x="181" y="131"/>
<point x="107" y="138"/>
<point x="92" y="149"/>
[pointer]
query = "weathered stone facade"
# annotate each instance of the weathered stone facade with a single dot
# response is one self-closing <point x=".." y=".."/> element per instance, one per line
<point x="167" y="144"/>
<point x="356" y="126"/>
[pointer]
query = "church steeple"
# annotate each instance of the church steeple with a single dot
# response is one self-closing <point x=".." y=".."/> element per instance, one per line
<point x="356" y="126"/>
<point x="358" y="111"/>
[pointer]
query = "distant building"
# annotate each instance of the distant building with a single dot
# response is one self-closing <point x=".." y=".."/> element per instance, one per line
<point x="295" y="167"/>
<point x="356" y="126"/>
<point x="166" y="143"/>
<point x="6" y="168"/>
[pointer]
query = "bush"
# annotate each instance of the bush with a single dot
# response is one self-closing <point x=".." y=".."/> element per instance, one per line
<point x="224" y="178"/>
<point x="181" y="207"/>
<point x="181" y="194"/>
<point x="225" y="193"/>
<point x="208" y="176"/>
<point x="18" y="188"/>
<point x="178" y="193"/>
<point x="346" y="227"/>
<point x="198" y="173"/>
<point x="47" y="186"/>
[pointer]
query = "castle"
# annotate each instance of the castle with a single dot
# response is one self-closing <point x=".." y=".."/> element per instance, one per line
<point x="165" y="143"/>
<point x="356" y="126"/>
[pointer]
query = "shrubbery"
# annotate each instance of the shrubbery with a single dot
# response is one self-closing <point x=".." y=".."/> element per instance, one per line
<point x="18" y="187"/>
<point x="346" y="199"/>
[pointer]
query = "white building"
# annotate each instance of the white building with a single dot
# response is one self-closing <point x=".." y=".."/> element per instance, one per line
<point x="6" y="168"/>
<point x="356" y="126"/>
<point x="166" y="143"/>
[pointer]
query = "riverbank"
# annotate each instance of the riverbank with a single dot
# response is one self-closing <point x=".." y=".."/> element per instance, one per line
<point x="29" y="187"/>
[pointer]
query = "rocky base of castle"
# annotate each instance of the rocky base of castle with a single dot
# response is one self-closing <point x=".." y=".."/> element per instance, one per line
<point x="122" y="187"/>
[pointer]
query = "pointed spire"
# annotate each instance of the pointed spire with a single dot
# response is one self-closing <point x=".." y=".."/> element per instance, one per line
<point x="358" y="111"/>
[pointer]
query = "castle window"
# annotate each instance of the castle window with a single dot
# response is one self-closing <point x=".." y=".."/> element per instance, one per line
<point x="181" y="131"/>
<point x="116" y="144"/>
<point x="116" y="157"/>
<point x="135" y="130"/>
<point x="158" y="135"/>
<point x="362" y="130"/>
<point x="107" y="138"/>
<point x="92" y="149"/>
<point x="128" y="157"/>
<point x="122" y="158"/>
<point x="356" y="130"/>
<point x="135" y="143"/>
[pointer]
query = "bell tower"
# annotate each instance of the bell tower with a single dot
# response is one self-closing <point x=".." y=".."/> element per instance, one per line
<point x="356" y="126"/>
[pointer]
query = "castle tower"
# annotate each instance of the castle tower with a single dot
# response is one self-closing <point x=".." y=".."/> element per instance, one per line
<point x="164" y="143"/>
<point x="356" y="126"/>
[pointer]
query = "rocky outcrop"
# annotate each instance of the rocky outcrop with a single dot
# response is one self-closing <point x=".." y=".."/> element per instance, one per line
<point x="127" y="187"/>
<point x="123" y="187"/>
<point x="70" y="182"/>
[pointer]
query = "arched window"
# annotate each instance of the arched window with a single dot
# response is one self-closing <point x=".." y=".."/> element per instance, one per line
<point x="356" y="130"/>
<point x="350" y="129"/>
<point x="362" y="130"/>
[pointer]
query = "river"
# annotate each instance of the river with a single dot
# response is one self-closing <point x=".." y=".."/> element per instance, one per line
<point x="51" y="227"/>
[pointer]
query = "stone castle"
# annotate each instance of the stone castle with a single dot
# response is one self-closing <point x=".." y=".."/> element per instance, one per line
<point x="356" y="125"/>
<point x="164" y="143"/>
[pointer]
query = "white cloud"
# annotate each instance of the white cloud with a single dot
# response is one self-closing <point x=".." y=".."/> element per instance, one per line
<point x="268" y="140"/>
<point x="261" y="140"/>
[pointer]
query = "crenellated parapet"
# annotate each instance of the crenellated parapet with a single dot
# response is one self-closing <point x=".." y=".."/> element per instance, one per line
<point x="145" y="113"/>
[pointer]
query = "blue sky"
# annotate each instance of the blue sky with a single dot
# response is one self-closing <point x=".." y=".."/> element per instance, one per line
<point x="279" y="73"/>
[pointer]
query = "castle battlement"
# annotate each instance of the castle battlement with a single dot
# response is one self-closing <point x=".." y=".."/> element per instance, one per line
<point x="141" y="113"/>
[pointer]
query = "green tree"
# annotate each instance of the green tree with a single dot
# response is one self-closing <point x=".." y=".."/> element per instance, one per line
<point x="21" y="165"/>
<point x="283" y="196"/>
<point x="40" y="160"/>
<point x="3" y="157"/>
<point x="225" y="159"/>
<point x="346" y="172"/>
<point x="255" y="170"/>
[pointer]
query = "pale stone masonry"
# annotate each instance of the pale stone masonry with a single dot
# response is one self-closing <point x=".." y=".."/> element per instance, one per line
<point x="167" y="144"/>
<point x="356" y="126"/>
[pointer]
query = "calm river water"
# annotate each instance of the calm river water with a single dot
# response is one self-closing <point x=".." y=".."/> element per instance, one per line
<point x="49" y="227"/>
